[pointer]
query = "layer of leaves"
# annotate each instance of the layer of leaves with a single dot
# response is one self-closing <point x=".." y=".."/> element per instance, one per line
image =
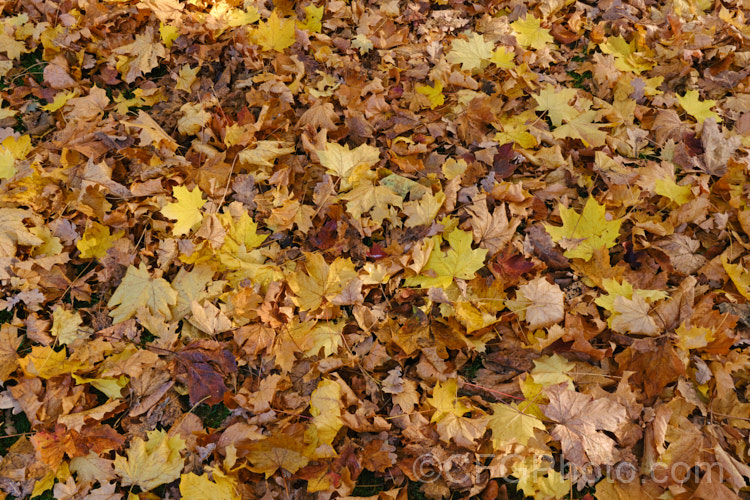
<point x="294" y="249"/>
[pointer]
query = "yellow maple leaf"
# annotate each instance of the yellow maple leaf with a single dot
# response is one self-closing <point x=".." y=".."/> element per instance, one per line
<point x="693" y="337"/>
<point x="515" y="129"/>
<point x="241" y="231"/>
<point x="739" y="276"/>
<point x="627" y="57"/>
<point x="7" y="164"/>
<point x="320" y="281"/>
<point x="238" y="17"/>
<point x="537" y="478"/>
<point x="582" y="127"/>
<point x="275" y="34"/>
<point x="65" y="325"/>
<point x="12" y="149"/>
<point x="168" y="34"/>
<point x="583" y="233"/>
<point x="45" y="362"/>
<point x="460" y="262"/>
<point x="502" y="58"/>
<point x="349" y="164"/>
<point x="139" y="289"/>
<point x="140" y="56"/>
<point x="555" y="101"/>
<point x="194" y="118"/>
<point x="61" y="98"/>
<point x="422" y="212"/>
<point x="313" y="18"/>
<point x="325" y="408"/>
<point x="186" y="211"/>
<point x="152" y="462"/>
<point x="445" y="401"/>
<point x="670" y="189"/>
<point x="194" y="487"/>
<point x="96" y="240"/>
<point x="700" y="110"/>
<point x="265" y="153"/>
<point x="434" y="93"/>
<point x="187" y="77"/>
<point x="529" y="33"/>
<point x="472" y="53"/>
<point x="510" y="423"/>
<point x="375" y="199"/>
<point x="111" y="387"/>
<point x="276" y="452"/>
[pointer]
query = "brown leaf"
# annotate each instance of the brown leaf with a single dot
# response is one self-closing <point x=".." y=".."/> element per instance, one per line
<point x="579" y="419"/>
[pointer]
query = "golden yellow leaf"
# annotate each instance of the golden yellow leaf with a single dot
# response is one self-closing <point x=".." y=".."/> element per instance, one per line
<point x="152" y="462"/>
<point x="472" y="53"/>
<point x="445" y="401"/>
<point x="186" y="211"/>
<point x="66" y="326"/>
<point x="583" y="233"/>
<point x="529" y="33"/>
<point x="96" y="240"/>
<point x="700" y="110"/>
<point x="140" y="56"/>
<point x="194" y="487"/>
<point x="275" y="34"/>
<point x="460" y="262"/>
<point x="45" y="362"/>
<point x="325" y="408"/>
<point x="139" y="289"/>
<point x="509" y="423"/>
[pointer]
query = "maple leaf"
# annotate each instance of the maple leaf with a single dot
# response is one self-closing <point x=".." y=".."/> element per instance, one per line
<point x="194" y="118"/>
<point x="423" y="211"/>
<point x="139" y="289"/>
<point x="325" y="408"/>
<point x="194" y="487"/>
<point x="529" y="33"/>
<point x="580" y="418"/>
<point x="460" y="262"/>
<point x="632" y="316"/>
<point x="434" y="93"/>
<point x="494" y="231"/>
<point x="582" y="127"/>
<point x="152" y="462"/>
<point x="266" y="152"/>
<point x="472" y="53"/>
<point x="144" y="55"/>
<point x="275" y="34"/>
<point x="627" y="57"/>
<point x="700" y="110"/>
<point x="539" y="303"/>
<point x="445" y="401"/>
<point x="45" y="362"/>
<point x="587" y="231"/>
<point x="739" y="276"/>
<point x="509" y="423"/>
<point x="374" y="199"/>
<point x="555" y="101"/>
<point x="348" y="164"/>
<point x="14" y="232"/>
<point x="9" y="344"/>
<point x="320" y="281"/>
<point x="65" y="326"/>
<point x="276" y="452"/>
<point x="96" y="240"/>
<point x="186" y="211"/>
